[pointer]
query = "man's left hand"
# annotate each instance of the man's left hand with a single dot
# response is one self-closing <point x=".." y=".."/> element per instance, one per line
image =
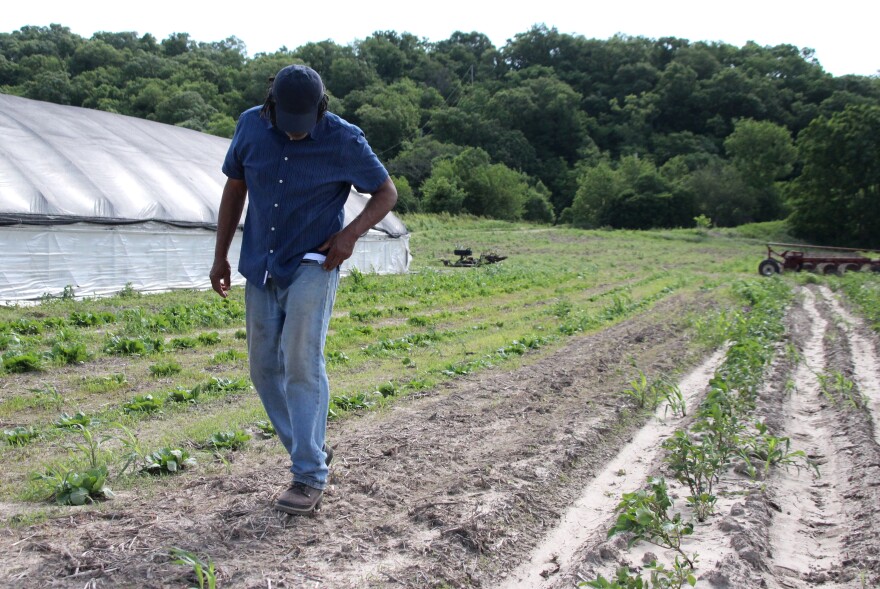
<point x="338" y="248"/>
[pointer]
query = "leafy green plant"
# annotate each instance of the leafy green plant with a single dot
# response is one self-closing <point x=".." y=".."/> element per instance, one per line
<point x="229" y="440"/>
<point x="838" y="389"/>
<point x="337" y="357"/>
<point x="205" y="574"/>
<point x="77" y="487"/>
<point x="124" y="346"/>
<point x="240" y="334"/>
<point x="183" y="343"/>
<point x="69" y="352"/>
<point x="660" y="577"/>
<point x="25" y="362"/>
<point x="771" y="450"/>
<point x="644" y="515"/>
<point x="641" y="391"/>
<point x="388" y="389"/>
<point x="267" y="430"/>
<point x="128" y="292"/>
<point x="696" y="465"/>
<point x="167" y="368"/>
<point x="143" y="404"/>
<point x="74" y="486"/>
<point x="90" y="319"/>
<point x="222" y="385"/>
<point x="103" y="384"/>
<point x="48" y="396"/>
<point x="79" y="419"/>
<point x="167" y="461"/>
<point x="183" y="395"/>
<point x="21" y="435"/>
<point x="228" y="356"/>
<point x="671" y="393"/>
<point x="209" y="339"/>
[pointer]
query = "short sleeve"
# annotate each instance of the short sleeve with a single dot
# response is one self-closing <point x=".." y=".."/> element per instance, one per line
<point x="232" y="166"/>
<point x="367" y="172"/>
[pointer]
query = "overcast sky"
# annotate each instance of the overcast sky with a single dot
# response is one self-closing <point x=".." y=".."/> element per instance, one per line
<point x="843" y="33"/>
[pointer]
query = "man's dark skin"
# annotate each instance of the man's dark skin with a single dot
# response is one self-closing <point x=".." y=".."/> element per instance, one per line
<point x="337" y="248"/>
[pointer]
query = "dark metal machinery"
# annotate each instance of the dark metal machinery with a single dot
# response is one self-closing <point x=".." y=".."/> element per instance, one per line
<point x="812" y="258"/>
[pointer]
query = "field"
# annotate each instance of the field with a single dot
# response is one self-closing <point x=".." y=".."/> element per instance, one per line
<point x="600" y="409"/>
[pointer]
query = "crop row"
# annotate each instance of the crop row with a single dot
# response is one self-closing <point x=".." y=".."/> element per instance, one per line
<point x="722" y="433"/>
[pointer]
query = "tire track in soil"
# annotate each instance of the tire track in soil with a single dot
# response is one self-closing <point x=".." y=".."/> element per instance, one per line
<point x="805" y="534"/>
<point x="592" y="514"/>
<point x="866" y="368"/>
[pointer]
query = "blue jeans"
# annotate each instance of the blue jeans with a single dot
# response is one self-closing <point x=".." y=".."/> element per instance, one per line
<point x="286" y="329"/>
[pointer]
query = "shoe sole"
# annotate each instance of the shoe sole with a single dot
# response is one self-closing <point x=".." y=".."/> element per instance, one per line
<point x="290" y="510"/>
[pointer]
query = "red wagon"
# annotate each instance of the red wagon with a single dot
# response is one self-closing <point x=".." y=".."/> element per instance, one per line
<point x="816" y="258"/>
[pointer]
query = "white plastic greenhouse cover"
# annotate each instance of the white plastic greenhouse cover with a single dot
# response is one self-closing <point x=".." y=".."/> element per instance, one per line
<point x="95" y="200"/>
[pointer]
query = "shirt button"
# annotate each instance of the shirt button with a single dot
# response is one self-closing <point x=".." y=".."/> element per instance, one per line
<point x="273" y="229"/>
<point x="276" y="204"/>
<point x="285" y="159"/>
<point x="281" y="182"/>
<point x="271" y="251"/>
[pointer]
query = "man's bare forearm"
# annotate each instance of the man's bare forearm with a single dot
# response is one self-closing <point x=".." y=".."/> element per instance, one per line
<point x="380" y="204"/>
<point x="231" y="209"/>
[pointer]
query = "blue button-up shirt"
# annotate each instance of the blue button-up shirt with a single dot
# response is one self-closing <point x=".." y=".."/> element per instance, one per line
<point x="296" y="189"/>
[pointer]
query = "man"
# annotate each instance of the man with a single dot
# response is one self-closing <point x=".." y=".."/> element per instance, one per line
<point x="296" y="163"/>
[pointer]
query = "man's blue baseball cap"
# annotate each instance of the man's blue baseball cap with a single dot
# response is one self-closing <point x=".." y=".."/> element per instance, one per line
<point x="298" y="91"/>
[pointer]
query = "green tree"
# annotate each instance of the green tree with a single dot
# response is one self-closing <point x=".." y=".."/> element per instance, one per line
<point x="762" y="152"/>
<point x="836" y="199"/>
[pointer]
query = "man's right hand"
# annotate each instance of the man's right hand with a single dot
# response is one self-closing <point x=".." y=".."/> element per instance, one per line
<point x="221" y="277"/>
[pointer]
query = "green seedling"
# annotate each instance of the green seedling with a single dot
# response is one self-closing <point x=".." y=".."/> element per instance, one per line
<point x="837" y="388"/>
<point x="168" y="368"/>
<point x="211" y="338"/>
<point x="103" y="384"/>
<point x="771" y="450"/>
<point x="205" y="573"/>
<point x="183" y="395"/>
<point x="69" y="353"/>
<point x="644" y="515"/>
<point x="267" y="430"/>
<point x="228" y="356"/>
<point x="337" y="357"/>
<point x="28" y="362"/>
<point x="79" y="419"/>
<point x="20" y="436"/>
<point x="231" y="440"/>
<point x="167" y="461"/>
<point x="641" y="392"/>
<point x="696" y="465"/>
<point x="183" y="343"/>
<point x="142" y="404"/>
<point x="77" y="487"/>
<point x="671" y="393"/>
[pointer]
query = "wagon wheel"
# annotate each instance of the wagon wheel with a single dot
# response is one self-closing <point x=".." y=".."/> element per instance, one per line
<point x="769" y="267"/>
<point x="852" y="268"/>
<point x="875" y="267"/>
<point x="830" y="269"/>
<point x="808" y="267"/>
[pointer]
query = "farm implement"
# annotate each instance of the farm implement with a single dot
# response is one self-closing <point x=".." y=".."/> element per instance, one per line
<point x="816" y="258"/>
<point x="466" y="259"/>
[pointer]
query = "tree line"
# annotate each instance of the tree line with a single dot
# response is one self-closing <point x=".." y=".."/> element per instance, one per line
<point x="626" y="132"/>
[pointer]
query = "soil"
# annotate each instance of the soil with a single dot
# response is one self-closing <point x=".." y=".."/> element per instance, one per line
<point x="509" y="478"/>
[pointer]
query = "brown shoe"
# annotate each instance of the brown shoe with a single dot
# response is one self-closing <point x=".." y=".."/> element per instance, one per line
<point x="299" y="499"/>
